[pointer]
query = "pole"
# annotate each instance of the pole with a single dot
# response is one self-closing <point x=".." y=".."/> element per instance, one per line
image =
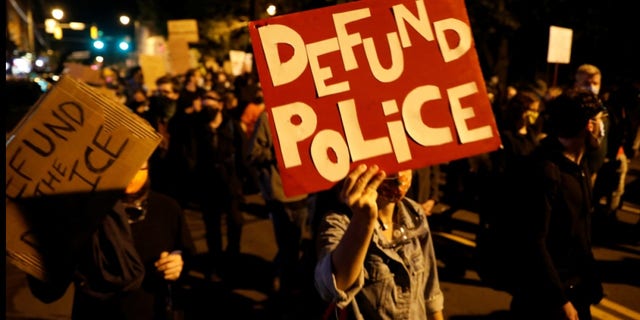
<point x="555" y="75"/>
<point x="30" y="31"/>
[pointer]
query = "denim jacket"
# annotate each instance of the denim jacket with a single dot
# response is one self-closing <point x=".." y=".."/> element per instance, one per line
<point x="395" y="283"/>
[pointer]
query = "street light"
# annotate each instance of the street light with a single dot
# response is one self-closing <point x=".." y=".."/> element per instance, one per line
<point x="79" y="26"/>
<point x="271" y="10"/>
<point x="125" y="20"/>
<point x="57" y="13"/>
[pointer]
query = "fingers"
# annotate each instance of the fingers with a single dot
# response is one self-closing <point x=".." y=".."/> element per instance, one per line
<point x="361" y="181"/>
<point x="377" y="179"/>
<point x="170" y="265"/>
<point x="173" y="272"/>
<point x="350" y="181"/>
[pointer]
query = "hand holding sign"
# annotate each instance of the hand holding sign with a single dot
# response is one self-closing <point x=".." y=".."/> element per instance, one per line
<point x="66" y="161"/>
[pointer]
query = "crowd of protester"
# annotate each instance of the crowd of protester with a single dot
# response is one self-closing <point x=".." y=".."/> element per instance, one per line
<point x="217" y="149"/>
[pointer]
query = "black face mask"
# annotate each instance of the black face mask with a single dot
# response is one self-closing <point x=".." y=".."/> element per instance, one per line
<point x="134" y="205"/>
<point x="210" y="113"/>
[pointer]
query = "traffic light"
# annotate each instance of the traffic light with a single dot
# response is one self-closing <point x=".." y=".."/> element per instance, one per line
<point x="123" y="45"/>
<point x="98" y="44"/>
<point x="93" y="32"/>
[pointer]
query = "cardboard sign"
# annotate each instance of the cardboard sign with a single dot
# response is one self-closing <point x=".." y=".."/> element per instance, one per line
<point x="393" y="83"/>
<point x="179" y="56"/>
<point x="559" y="50"/>
<point x="75" y="140"/>
<point x="153" y="68"/>
<point x="186" y="30"/>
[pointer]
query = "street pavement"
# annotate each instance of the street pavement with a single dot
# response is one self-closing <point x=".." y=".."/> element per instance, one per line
<point x="246" y="287"/>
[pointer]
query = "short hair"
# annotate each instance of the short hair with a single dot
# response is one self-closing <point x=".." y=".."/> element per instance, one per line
<point x="164" y="79"/>
<point x="587" y="69"/>
<point x="190" y="73"/>
<point x="570" y="112"/>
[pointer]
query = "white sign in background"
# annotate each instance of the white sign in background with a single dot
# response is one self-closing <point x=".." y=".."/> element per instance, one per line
<point x="559" y="45"/>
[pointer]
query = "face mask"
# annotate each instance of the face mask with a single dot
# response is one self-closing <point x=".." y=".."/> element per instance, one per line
<point x="210" y="113"/>
<point x="134" y="202"/>
<point x="394" y="188"/>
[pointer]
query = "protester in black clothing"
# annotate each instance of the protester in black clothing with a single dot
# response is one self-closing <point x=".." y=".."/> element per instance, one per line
<point x="158" y="117"/>
<point x="134" y="82"/>
<point x="500" y="192"/>
<point x="557" y="274"/>
<point x="180" y="159"/>
<point x="130" y="266"/>
<point x="623" y="106"/>
<point x="289" y="213"/>
<point x="189" y="97"/>
<point x="219" y="170"/>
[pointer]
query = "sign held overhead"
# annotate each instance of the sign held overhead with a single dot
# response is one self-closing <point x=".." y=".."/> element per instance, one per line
<point x="395" y="83"/>
<point x="559" y="45"/>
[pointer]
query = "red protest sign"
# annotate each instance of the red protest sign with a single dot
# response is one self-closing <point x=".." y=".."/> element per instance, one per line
<point x="393" y="83"/>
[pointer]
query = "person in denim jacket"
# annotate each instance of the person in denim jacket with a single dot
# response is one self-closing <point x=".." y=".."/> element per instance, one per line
<point x="375" y="254"/>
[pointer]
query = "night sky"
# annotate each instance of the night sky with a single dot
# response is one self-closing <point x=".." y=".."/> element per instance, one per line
<point x="603" y="33"/>
<point x="104" y="13"/>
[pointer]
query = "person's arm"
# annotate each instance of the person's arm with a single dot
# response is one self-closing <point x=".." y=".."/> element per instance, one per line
<point x="359" y="192"/>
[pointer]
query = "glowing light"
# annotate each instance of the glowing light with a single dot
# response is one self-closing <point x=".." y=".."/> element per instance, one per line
<point x="21" y="65"/>
<point x="50" y="25"/>
<point x="123" y="45"/>
<point x="93" y="32"/>
<point x="98" y="44"/>
<point x="125" y="20"/>
<point x="271" y="10"/>
<point x="57" y="33"/>
<point x="57" y="13"/>
<point x="39" y="63"/>
<point x="99" y="59"/>
<point x="77" y="25"/>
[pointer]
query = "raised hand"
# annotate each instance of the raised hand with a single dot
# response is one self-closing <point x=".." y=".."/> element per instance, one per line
<point x="359" y="190"/>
